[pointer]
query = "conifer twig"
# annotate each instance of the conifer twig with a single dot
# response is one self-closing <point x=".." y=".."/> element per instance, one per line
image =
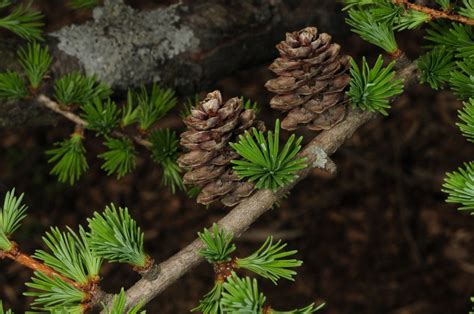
<point x="54" y="106"/>
<point x="435" y="14"/>
<point x="26" y="260"/>
<point x="241" y="217"/>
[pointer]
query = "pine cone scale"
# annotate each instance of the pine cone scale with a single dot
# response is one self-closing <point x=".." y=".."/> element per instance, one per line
<point x="203" y="174"/>
<point x="195" y="158"/>
<point x="201" y="125"/>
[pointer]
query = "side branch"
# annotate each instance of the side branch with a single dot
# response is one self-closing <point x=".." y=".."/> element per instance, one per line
<point x="435" y="14"/>
<point x="26" y="260"/>
<point x="54" y="106"/>
<point x="81" y="123"/>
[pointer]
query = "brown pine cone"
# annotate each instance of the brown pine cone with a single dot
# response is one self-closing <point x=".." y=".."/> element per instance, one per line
<point x="312" y="79"/>
<point x="211" y="126"/>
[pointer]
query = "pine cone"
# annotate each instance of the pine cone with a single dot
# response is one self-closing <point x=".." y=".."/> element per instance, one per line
<point x="312" y="80"/>
<point x="211" y="126"/>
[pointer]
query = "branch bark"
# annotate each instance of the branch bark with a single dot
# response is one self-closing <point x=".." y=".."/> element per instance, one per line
<point x="81" y="123"/>
<point x="28" y="261"/>
<point x="187" y="46"/>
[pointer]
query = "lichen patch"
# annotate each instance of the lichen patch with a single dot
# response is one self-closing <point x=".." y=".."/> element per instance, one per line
<point x="123" y="46"/>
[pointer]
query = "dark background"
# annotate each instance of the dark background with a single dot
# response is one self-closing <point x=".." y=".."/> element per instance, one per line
<point x="376" y="238"/>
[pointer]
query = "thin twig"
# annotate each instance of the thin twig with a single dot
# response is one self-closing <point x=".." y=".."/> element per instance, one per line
<point x="435" y="14"/>
<point x="26" y="260"/>
<point x="54" y="106"/>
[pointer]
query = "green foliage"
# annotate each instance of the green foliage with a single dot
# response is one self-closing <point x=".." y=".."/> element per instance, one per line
<point x="23" y="21"/>
<point x="164" y="150"/>
<point x="69" y="158"/>
<point x="385" y="12"/>
<point x="83" y="4"/>
<point x="35" y="60"/>
<point x="4" y="4"/>
<point x="371" y="88"/>
<point x="129" y="111"/>
<point x="211" y="302"/>
<point x="70" y="255"/>
<point x="264" y="162"/>
<point x="376" y="32"/>
<point x="445" y="4"/>
<point x="119" y="303"/>
<point x="466" y="114"/>
<point x="249" y="104"/>
<point x="411" y="19"/>
<point x="164" y="145"/>
<point x="242" y="296"/>
<point x="115" y="236"/>
<point x="52" y="293"/>
<point x="75" y="88"/>
<point x="436" y="66"/>
<point x="270" y="261"/>
<point x="468" y="9"/>
<point x="64" y="310"/>
<point x="120" y="158"/>
<point x="462" y="79"/>
<point x="193" y="191"/>
<point x="459" y="185"/>
<point x="364" y="4"/>
<point x="12" y="86"/>
<point x="188" y="105"/>
<point x="218" y="244"/>
<point x="466" y="51"/>
<point x="11" y="215"/>
<point x="307" y="310"/>
<point x="101" y="116"/>
<point x="454" y="35"/>
<point x="2" y="311"/>
<point x="152" y="107"/>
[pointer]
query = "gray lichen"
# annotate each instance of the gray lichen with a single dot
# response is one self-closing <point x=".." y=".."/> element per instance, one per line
<point x="321" y="157"/>
<point x="125" y="47"/>
<point x="322" y="160"/>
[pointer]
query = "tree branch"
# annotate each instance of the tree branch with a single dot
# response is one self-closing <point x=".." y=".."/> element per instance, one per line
<point x="54" y="106"/>
<point x="26" y="260"/>
<point x="241" y="217"/>
<point x="81" y="123"/>
<point x="435" y="14"/>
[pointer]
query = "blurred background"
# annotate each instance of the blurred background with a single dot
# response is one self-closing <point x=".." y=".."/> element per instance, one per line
<point x="375" y="238"/>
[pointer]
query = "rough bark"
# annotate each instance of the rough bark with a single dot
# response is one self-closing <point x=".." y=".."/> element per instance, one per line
<point x="187" y="45"/>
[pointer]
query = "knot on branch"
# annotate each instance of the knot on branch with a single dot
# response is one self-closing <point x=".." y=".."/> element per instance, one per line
<point x="150" y="271"/>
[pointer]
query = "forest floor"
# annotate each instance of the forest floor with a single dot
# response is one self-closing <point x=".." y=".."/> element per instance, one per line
<point x="377" y="237"/>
